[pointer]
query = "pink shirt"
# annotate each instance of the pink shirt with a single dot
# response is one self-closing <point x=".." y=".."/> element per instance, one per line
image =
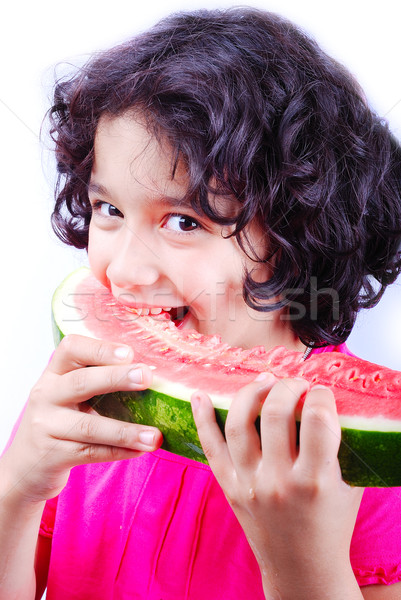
<point x="159" y="528"/>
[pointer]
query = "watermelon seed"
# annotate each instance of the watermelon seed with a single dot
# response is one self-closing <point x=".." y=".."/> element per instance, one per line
<point x="353" y="376"/>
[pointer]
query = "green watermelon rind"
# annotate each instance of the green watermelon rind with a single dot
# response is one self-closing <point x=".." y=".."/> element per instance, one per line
<point x="172" y="416"/>
<point x="368" y="458"/>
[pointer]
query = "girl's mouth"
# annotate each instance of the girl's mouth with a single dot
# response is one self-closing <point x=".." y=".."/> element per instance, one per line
<point x="176" y="315"/>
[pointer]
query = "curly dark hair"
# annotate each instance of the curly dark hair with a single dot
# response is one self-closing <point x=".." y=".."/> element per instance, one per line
<point x="251" y="103"/>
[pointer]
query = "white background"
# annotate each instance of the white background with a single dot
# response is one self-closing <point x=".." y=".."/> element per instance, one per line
<point x="34" y="37"/>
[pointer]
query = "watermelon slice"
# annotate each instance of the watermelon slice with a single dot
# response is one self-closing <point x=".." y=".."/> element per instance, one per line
<point x="368" y="397"/>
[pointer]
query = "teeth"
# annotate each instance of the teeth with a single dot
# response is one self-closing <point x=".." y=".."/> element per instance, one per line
<point x="144" y="312"/>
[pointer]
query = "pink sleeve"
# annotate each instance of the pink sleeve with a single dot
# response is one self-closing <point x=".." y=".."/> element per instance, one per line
<point x="375" y="547"/>
<point x="48" y="518"/>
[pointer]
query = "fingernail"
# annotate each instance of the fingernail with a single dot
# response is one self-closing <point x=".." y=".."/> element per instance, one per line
<point x="122" y="352"/>
<point x="195" y="401"/>
<point x="135" y="375"/>
<point x="147" y="437"/>
<point x="319" y="387"/>
<point x="265" y="377"/>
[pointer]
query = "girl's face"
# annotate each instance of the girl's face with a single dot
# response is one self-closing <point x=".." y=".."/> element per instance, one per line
<point x="154" y="252"/>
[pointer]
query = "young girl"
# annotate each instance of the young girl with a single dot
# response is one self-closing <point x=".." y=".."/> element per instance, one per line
<point x="220" y="164"/>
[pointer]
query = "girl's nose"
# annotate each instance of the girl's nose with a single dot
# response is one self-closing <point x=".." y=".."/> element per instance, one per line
<point x="134" y="262"/>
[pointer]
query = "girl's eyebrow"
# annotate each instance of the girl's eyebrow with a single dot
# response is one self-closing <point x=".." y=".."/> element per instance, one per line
<point x="97" y="188"/>
<point x="169" y="201"/>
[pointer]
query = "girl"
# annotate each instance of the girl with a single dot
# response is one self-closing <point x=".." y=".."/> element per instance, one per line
<point x="221" y="165"/>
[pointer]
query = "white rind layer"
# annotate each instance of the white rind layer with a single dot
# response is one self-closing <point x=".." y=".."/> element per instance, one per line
<point x="63" y="304"/>
<point x="178" y="390"/>
<point x="366" y="424"/>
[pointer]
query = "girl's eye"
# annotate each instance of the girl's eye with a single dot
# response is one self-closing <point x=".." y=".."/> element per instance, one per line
<point x="181" y="223"/>
<point x="105" y="209"/>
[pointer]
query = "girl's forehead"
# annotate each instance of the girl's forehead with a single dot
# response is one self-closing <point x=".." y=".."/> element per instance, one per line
<point x="125" y="148"/>
<point x="130" y="133"/>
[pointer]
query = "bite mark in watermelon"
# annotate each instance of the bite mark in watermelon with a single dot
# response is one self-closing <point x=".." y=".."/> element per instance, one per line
<point x="368" y="396"/>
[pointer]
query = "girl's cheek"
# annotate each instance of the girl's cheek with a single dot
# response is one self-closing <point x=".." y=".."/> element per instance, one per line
<point x="97" y="261"/>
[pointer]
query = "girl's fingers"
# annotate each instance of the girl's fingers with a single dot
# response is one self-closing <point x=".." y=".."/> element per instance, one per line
<point x="95" y="430"/>
<point x="210" y="436"/>
<point x="242" y="437"/>
<point x="278" y="426"/>
<point x="242" y="451"/>
<point x="320" y="433"/>
<point x="65" y="454"/>
<point x="90" y="453"/>
<point x="81" y="384"/>
<point x="76" y="351"/>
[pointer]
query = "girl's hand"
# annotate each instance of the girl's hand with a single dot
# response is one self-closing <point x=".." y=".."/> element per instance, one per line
<point x="59" y="431"/>
<point x="295" y="509"/>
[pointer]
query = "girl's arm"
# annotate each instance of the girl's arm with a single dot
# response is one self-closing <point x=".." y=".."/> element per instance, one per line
<point x="295" y="509"/>
<point x="57" y="432"/>
<point x="42" y="563"/>
<point x="19" y="525"/>
<point x="382" y="592"/>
